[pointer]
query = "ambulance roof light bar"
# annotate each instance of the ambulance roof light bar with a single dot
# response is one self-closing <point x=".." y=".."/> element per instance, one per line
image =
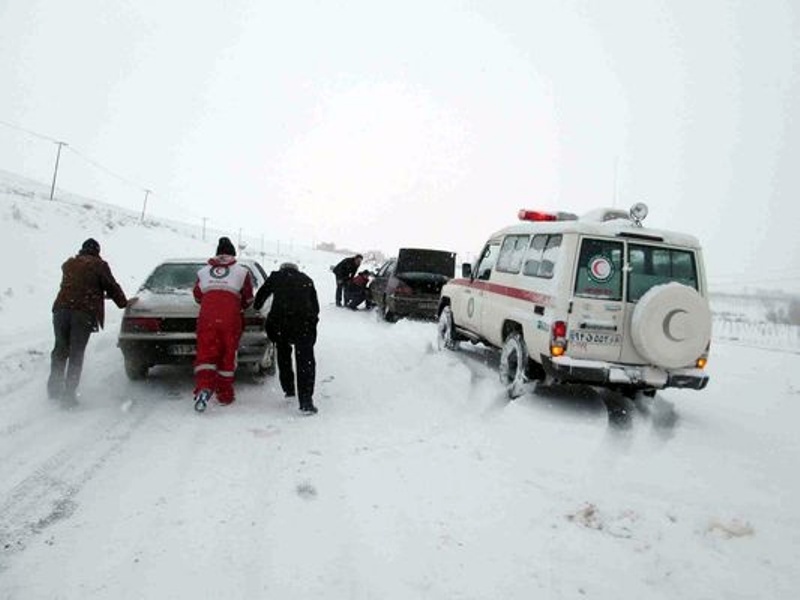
<point x="538" y="215"/>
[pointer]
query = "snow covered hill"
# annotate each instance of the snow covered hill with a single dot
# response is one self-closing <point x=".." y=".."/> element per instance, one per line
<point x="417" y="479"/>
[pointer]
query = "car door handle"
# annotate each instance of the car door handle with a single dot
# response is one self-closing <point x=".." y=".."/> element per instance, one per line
<point x="613" y="307"/>
<point x="539" y="310"/>
<point x="601" y="325"/>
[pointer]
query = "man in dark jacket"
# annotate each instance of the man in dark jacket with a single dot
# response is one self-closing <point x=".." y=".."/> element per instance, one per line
<point x="344" y="272"/>
<point x="78" y="311"/>
<point x="292" y="321"/>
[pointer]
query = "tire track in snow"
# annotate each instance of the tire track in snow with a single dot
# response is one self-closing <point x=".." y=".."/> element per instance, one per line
<point x="48" y="495"/>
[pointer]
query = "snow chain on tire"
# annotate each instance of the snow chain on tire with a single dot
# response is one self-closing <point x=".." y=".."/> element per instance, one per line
<point x="514" y="365"/>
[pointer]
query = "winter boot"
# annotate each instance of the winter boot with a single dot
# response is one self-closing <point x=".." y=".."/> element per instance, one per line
<point x="308" y="408"/>
<point x="201" y="400"/>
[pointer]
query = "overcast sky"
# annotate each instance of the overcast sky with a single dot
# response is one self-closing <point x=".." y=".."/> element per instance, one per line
<point x="378" y="125"/>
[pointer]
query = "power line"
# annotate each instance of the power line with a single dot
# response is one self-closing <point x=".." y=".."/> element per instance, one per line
<point x="106" y="170"/>
<point x="29" y="132"/>
<point x="61" y="144"/>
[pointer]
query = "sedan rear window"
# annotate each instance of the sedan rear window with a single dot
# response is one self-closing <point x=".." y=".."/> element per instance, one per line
<point x="173" y="276"/>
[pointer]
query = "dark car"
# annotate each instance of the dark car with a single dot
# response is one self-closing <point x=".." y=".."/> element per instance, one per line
<point x="409" y="285"/>
<point x="158" y="326"/>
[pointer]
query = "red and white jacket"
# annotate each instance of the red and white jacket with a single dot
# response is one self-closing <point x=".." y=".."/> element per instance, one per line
<point x="223" y="285"/>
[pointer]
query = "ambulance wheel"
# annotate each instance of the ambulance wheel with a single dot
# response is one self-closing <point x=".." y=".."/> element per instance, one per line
<point x="446" y="337"/>
<point x="514" y="365"/>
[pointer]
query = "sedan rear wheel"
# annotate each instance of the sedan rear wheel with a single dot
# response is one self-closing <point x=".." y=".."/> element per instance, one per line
<point x="135" y="368"/>
<point x="386" y="312"/>
<point x="267" y="364"/>
<point x="514" y="365"/>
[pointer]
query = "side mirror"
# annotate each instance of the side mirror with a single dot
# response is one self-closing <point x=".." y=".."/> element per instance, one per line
<point x="466" y="270"/>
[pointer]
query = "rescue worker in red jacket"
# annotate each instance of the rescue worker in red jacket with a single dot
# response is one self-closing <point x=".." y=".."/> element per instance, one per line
<point x="224" y="288"/>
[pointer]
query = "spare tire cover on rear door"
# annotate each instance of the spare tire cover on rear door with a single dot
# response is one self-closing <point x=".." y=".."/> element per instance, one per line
<point x="671" y="325"/>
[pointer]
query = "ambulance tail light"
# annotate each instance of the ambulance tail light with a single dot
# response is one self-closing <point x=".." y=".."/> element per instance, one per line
<point x="702" y="361"/>
<point x="558" y="338"/>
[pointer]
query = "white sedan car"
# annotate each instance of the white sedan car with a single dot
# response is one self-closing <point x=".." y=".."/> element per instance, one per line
<point x="159" y="325"/>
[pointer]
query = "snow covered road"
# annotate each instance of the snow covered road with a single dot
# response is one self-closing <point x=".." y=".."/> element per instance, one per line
<point x="417" y="479"/>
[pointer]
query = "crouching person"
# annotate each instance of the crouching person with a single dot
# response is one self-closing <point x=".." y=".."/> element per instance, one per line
<point x="223" y="289"/>
<point x="356" y="291"/>
<point x="292" y="322"/>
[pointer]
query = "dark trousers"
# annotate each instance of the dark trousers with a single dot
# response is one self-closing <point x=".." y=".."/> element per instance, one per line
<point x="72" y="329"/>
<point x="354" y="296"/>
<point x="340" y="285"/>
<point x="305" y="363"/>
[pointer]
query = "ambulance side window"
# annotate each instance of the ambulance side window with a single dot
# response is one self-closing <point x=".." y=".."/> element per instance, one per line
<point x="542" y="256"/>
<point x="511" y="253"/>
<point x="483" y="269"/>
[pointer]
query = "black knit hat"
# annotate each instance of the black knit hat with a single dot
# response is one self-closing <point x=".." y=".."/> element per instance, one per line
<point x="90" y="246"/>
<point x="225" y="246"/>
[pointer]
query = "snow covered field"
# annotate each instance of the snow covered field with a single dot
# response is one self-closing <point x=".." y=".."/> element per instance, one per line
<point x="416" y="480"/>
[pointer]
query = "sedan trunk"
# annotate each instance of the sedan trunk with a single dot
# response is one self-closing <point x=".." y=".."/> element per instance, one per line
<point x="414" y="261"/>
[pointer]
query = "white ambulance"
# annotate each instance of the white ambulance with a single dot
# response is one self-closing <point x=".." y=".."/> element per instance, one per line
<point x="599" y="300"/>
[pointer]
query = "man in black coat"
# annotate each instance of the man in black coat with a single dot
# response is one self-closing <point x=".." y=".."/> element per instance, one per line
<point x="344" y="272"/>
<point x="292" y="321"/>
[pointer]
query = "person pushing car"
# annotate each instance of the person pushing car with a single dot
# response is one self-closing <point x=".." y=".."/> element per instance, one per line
<point x="78" y="311"/>
<point x="292" y="322"/>
<point x="224" y="288"/>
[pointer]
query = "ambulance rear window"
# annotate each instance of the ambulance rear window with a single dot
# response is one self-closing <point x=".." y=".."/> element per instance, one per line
<point x="599" y="270"/>
<point x="655" y="265"/>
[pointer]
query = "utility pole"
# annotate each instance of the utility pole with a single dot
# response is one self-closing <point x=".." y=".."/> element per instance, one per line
<point x="144" y="205"/>
<point x="55" y="172"/>
<point x="204" y="228"/>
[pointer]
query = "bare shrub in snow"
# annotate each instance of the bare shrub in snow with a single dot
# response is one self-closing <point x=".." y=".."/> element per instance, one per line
<point x="587" y="516"/>
<point x="785" y="315"/>
<point x="20" y="217"/>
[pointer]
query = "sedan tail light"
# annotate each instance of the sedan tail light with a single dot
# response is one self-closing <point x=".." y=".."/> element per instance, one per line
<point x="141" y="324"/>
<point x="255" y="323"/>
<point x="403" y="289"/>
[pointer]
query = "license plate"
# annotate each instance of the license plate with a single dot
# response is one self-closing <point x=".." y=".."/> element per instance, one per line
<point x="591" y="337"/>
<point x="182" y="349"/>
